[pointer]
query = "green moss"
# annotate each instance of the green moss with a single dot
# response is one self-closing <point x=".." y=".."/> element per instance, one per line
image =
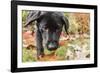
<point x="28" y="56"/>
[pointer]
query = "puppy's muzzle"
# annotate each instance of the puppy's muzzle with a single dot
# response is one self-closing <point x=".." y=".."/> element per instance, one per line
<point x="52" y="45"/>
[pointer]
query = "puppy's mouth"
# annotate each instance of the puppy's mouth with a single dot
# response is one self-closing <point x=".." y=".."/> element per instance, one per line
<point x="51" y="46"/>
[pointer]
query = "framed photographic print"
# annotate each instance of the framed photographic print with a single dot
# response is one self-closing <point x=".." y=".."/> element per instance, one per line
<point x="51" y="36"/>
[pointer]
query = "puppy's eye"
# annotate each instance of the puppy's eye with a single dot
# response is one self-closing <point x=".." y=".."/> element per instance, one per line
<point x="45" y="29"/>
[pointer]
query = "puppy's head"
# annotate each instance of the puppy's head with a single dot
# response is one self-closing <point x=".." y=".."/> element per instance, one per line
<point x="50" y="25"/>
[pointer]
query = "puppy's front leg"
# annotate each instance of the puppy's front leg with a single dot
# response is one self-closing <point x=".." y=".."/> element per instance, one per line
<point x="40" y="50"/>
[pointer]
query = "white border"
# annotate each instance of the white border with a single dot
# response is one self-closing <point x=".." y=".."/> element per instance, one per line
<point x="53" y="63"/>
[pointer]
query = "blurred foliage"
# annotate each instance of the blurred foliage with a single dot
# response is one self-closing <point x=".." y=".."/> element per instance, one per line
<point x="28" y="55"/>
<point x="24" y="15"/>
<point x="61" y="53"/>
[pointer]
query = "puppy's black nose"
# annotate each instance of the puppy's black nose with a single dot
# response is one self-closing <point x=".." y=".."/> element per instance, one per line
<point x="52" y="46"/>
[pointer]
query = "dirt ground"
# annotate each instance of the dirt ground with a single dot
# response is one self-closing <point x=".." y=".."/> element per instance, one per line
<point x="72" y="47"/>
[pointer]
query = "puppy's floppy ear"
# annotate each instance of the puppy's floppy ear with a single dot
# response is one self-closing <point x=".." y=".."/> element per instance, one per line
<point x="32" y="16"/>
<point x="66" y="24"/>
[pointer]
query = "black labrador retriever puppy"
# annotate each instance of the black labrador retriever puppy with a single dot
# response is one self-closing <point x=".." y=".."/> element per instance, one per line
<point x="49" y="27"/>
